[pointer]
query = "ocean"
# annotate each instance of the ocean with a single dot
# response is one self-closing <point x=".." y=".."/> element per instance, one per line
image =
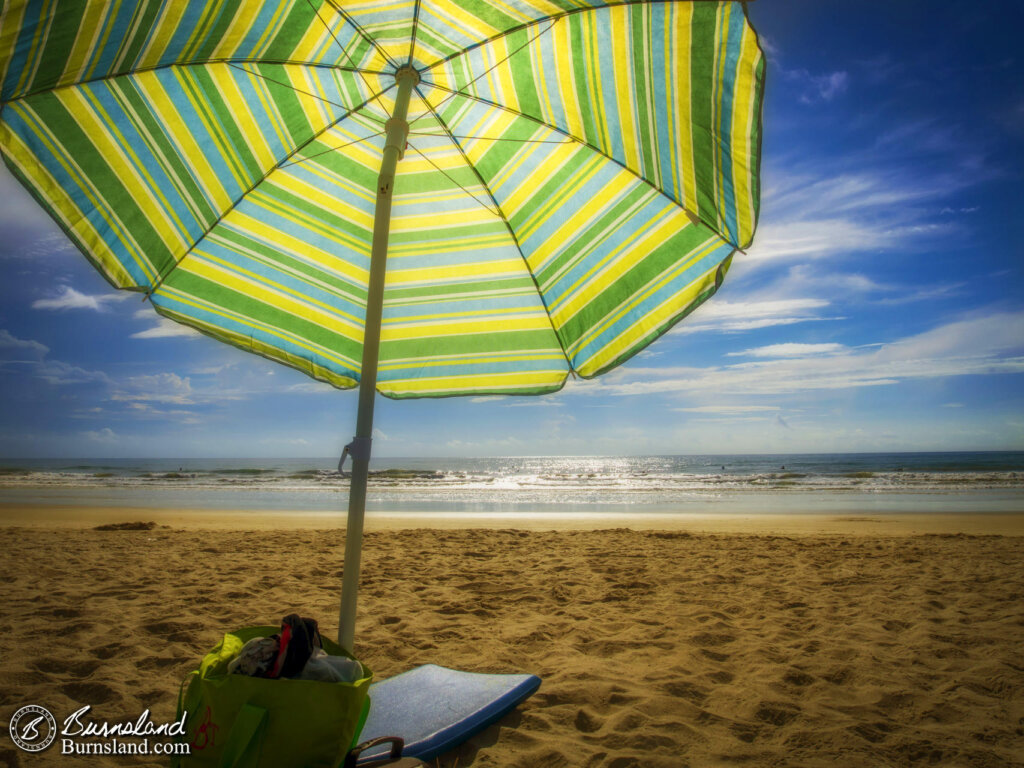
<point x="710" y="484"/>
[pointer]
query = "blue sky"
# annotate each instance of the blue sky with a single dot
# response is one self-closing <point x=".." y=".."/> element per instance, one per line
<point x="881" y="307"/>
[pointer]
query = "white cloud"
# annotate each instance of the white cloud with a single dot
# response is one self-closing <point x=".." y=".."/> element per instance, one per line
<point x="157" y="388"/>
<point x="731" y="316"/>
<point x="790" y="239"/>
<point x="69" y="298"/>
<point x="769" y="46"/>
<point x="729" y="409"/>
<point x="491" y="447"/>
<point x="9" y="341"/>
<point x="821" y="213"/>
<point x="909" y="295"/>
<point x="212" y="370"/>
<point x="759" y="309"/>
<point x="731" y="420"/>
<point x="811" y="277"/>
<point x="851" y="289"/>
<point x="550" y="401"/>
<point x="65" y="374"/>
<point x="295" y="441"/>
<point x="30" y="356"/>
<point x="145" y="410"/>
<point x="311" y="388"/>
<point x="921" y="134"/>
<point x="789" y="349"/>
<point x="164" y="329"/>
<point x="818" y="88"/>
<point x="974" y="345"/>
<point x="105" y="436"/>
<point x="23" y="219"/>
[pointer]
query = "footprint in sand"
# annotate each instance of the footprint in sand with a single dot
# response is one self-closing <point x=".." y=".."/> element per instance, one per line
<point x="714" y="655"/>
<point x="162" y="662"/>
<point x="71" y="629"/>
<point x="872" y="732"/>
<point x="90" y="693"/>
<point x="777" y="713"/>
<point x="586" y="722"/>
<point x="50" y="665"/>
<point x="895" y="626"/>
<point x="175" y="631"/>
<point x="712" y="638"/>
<point x="621" y="699"/>
<point x="745" y="732"/>
<point x="681" y="689"/>
<point x="105" y="652"/>
<point x="153" y="697"/>
<point x="708" y="718"/>
<point x="65" y="613"/>
<point x="891" y="702"/>
<point x="798" y="678"/>
<point x="837" y="676"/>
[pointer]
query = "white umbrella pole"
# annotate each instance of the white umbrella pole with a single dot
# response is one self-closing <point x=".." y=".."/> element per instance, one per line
<point x="394" y="147"/>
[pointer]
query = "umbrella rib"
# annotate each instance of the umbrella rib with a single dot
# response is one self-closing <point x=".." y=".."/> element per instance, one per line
<point x="183" y="65"/>
<point x="362" y="32"/>
<point x="342" y="48"/>
<point x="689" y="214"/>
<point x="489" y="138"/>
<point x="415" y="29"/>
<point x="332" y="149"/>
<point x="444" y="173"/>
<point x="508" y="226"/>
<point x="280" y="164"/>
<point x="240" y="68"/>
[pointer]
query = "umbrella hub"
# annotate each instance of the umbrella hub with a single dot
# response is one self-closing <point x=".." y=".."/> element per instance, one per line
<point x="407" y="73"/>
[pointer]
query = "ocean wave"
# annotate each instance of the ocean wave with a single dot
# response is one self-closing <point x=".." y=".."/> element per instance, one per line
<point x="473" y="485"/>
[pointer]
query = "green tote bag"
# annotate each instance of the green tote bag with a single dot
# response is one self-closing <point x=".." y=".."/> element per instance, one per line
<point x="237" y="721"/>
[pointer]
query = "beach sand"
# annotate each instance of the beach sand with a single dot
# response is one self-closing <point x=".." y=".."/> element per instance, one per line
<point x="832" y="642"/>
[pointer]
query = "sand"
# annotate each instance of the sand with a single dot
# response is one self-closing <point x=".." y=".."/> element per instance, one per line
<point x="852" y="642"/>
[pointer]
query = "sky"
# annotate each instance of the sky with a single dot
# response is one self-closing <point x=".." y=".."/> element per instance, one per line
<point x="879" y="309"/>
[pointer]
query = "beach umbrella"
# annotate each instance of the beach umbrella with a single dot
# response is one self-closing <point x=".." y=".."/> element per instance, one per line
<point x="421" y="198"/>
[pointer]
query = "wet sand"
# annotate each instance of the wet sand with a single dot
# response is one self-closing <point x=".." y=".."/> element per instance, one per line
<point x="818" y="642"/>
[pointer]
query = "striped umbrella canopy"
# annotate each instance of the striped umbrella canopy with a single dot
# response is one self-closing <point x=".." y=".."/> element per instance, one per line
<point x="574" y="177"/>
